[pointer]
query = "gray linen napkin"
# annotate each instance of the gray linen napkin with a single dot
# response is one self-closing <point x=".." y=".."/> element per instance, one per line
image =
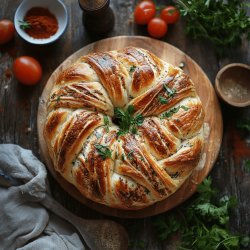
<point x="25" y="223"/>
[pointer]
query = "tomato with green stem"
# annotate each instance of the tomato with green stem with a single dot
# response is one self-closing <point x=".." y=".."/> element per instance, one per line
<point x="170" y="14"/>
<point x="27" y="70"/>
<point x="144" y="12"/>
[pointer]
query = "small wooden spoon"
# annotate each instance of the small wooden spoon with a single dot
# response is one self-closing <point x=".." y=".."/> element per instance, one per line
<point x="232" y="84"/>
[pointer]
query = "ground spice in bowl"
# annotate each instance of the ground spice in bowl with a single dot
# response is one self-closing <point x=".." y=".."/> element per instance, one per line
<point x="39" y="23"/>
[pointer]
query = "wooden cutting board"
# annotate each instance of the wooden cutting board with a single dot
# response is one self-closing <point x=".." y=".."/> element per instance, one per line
<point x="213" y="120"/>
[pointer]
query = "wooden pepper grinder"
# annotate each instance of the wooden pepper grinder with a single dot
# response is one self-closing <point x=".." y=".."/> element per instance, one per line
<point x="98" y="17"/>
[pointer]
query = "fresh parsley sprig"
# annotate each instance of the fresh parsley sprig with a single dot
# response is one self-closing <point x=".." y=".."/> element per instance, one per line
<point x="173" y="111"/>
<point x="170" y="94"/>
<point x="201" y="222"/>
<point x="24" y="25"/>
<point x="127" y="122"/>
<point x="162" y="100"/>
<point x="106" y="122"/>
<point x="103" y="151"/>
<point x="132" y="69"/>
<point x="221" y="22"/>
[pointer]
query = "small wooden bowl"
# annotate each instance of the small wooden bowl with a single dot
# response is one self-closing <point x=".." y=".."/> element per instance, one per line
<point x="232" y="84"/>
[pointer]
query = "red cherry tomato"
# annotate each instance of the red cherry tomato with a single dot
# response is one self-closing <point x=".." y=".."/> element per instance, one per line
<point x="7" y="31"/>
<point x="170" y="14"/>
<point x="144" y="12"/>
<point x="27" y="70"/>
<point x="157" y="27"/>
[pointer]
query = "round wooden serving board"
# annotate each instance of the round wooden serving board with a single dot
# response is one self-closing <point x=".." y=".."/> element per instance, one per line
<point x="207" y="95"/>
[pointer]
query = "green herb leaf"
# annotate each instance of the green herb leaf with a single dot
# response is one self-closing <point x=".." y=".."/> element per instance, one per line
<point x="244" y="241"/>
<point x="130" y="154"/>
<point x="244" y="125"/>
<point x="130" y="109"/>
<point x="185" y="108"/>
<point x="106" y="122"/>
<point x="24" y="25"/>
<point x="247" y="165"/>
<point x="162" y="100"/>
<point x="212" y="212"/>
<point x="200" y="222"/>
<point x="206" y="191"/>
<point x="138" y="120"/>
<point x="221" y="22"/>
<point x="170" y="92"/>
<point x="127" y="122"/>
<point x="123" y="157"/>
<point x="103" y="151"/>
<point x="133" y="130"/>
<point x="173" y="111"/>
<point x="165" y="226"/>
<point x="121" y="132"/>
<point x="132" y="69"/>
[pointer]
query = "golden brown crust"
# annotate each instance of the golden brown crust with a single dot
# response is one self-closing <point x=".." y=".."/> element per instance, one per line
<point x="78" y="130"/>
<point x="150" y="103"/>
<point x="160" y="141"/>
<point x="111" y="74"/>
<point x="128" y="171"/>
<point x="88" y="95"/>
<point x="75" y="73"/>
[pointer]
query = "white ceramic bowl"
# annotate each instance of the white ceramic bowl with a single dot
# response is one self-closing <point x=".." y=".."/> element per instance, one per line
<point x="55" y="6"/>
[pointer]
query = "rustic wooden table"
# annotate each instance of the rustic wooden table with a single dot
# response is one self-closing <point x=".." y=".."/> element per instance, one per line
<point x="18" y="105"/>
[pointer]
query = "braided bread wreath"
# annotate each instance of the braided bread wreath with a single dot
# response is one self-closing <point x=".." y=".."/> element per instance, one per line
<point x="124" y="127"/>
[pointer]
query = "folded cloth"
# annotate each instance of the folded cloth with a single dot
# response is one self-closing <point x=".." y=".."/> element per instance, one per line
<point x="24" y="194"/>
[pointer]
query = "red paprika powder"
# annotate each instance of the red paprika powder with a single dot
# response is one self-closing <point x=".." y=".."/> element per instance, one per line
<point x="41" y="23"/>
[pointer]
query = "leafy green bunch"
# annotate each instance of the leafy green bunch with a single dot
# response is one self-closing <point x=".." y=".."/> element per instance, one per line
<point x="201" y="222"/>
<point x="127" y="121"/>
<point x="221" y="22"/>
